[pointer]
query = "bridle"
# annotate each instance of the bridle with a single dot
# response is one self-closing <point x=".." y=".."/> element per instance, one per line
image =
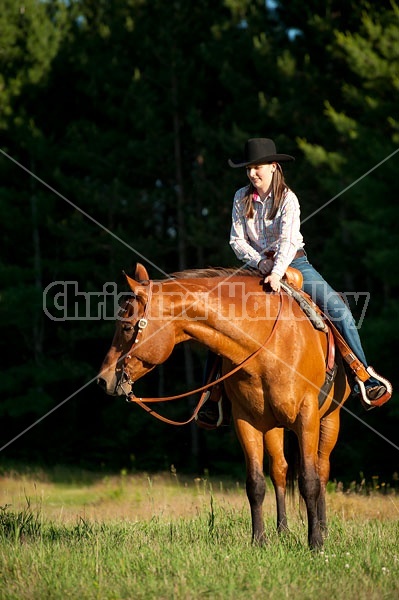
<point x="125" y="378"/>
<point x="140" y="326"/>
<point x="143" y="322"/>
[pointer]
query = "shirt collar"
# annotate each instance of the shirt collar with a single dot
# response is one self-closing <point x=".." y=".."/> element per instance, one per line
<point x="256" y="197"/>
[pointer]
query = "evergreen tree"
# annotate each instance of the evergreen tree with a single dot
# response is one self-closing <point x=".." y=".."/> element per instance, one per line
<point x="128" y="111"/>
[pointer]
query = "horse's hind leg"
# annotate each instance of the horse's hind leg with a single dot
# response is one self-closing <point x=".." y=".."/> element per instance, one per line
<point x="274" y="443"/>
<point x="329" y="429"/>
<point x="251" y="441"/>
<point x="309" y="481"/>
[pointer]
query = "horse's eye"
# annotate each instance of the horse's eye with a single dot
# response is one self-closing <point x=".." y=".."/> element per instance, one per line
<point x="127" y="327"/>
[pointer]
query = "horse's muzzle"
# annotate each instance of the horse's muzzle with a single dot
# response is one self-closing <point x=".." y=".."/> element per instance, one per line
<point x="116" y="386"/>
<point x="103" y="383"/>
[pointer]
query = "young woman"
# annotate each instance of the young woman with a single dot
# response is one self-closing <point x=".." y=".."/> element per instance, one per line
<point x="265" y="234"/>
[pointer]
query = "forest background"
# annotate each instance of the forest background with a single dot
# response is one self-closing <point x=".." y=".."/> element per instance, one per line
<point x="116" y="123"/>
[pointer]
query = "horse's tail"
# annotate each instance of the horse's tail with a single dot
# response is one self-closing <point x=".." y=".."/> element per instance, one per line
<point x="291" y="451"/>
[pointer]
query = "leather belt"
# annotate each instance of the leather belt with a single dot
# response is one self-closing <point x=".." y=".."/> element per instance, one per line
<point x="299" y="254"/>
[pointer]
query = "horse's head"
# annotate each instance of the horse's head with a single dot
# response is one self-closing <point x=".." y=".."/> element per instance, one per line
<point x="143" y="338"/>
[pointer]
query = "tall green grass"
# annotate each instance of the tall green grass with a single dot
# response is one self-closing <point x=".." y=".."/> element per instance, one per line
<point x="205" y="554"/>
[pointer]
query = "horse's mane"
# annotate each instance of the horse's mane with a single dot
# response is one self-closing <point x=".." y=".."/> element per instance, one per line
<point x="214" y="272"/>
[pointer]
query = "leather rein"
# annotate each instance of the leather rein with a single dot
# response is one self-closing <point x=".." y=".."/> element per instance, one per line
<point x="142" y="324"/>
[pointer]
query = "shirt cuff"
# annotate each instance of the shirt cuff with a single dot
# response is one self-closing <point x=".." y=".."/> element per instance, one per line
<point x="253" y="262"/>
<point x="277" y="272"/>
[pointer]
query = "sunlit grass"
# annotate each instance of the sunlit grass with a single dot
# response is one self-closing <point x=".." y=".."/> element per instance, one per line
<point x="133" y="497"/>
<point x="164" y="536"/>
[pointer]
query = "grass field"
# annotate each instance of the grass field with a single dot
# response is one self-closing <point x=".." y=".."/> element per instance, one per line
<point x="67" y="534"/>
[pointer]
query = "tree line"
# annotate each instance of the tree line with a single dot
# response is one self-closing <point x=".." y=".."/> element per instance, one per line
<point x="117" y="120"/>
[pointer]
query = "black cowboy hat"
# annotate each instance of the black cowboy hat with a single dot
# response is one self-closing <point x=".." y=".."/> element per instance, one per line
<point x="259" y="151"/>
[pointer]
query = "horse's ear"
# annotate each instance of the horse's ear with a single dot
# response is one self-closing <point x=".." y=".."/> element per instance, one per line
<point x="137" y="288"/>
<point x="140" y="277"/>
<point x="141" y="273"/>
<point x="134" y="285"/>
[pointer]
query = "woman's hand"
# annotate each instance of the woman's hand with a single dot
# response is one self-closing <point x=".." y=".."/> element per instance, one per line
<point x="274" y="281"/>
<point x="265" y="265"/>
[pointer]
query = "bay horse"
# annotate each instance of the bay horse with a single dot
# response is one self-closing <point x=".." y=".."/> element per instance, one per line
<point x="233" y="315"/>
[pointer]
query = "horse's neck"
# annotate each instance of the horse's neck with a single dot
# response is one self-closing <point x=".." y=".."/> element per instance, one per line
<point x="228" y="323"/>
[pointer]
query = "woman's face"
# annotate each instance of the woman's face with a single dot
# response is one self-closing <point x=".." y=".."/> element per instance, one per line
<point x="261" y="176"/>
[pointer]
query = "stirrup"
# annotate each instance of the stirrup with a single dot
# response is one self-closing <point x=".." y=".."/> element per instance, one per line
<point x="216" y="418"/>
<point x="363" y="391"/>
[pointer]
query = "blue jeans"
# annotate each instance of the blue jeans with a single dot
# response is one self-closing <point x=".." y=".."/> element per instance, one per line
<point x="331" y="304"/>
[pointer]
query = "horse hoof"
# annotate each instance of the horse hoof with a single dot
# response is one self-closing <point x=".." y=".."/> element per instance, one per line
<point x="260" y="540"/>
<point x="316" y="544"/>
<point x="283" y="530"/>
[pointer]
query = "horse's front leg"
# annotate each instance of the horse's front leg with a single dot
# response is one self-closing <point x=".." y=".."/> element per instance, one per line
<point x="251" y="441"/>
<point x="274" y="444"/>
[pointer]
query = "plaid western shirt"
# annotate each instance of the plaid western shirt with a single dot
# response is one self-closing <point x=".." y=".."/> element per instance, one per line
<point x="251" y="238"/>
